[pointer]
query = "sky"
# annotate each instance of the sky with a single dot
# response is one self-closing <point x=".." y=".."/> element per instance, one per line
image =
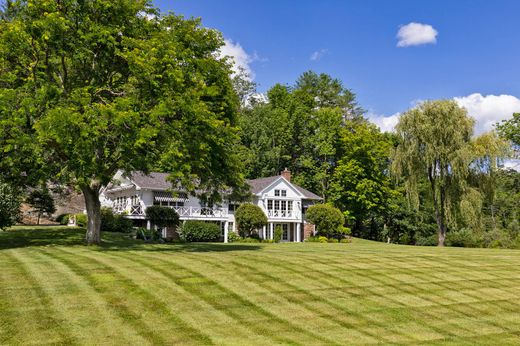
<point x="391" y="54"/>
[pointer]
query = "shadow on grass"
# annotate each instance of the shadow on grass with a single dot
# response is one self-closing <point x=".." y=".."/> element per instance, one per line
<point x="19" y="237"/>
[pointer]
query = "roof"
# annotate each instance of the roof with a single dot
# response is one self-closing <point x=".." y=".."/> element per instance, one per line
<point x="258" y="185"/>
<point x="158" y="181"/>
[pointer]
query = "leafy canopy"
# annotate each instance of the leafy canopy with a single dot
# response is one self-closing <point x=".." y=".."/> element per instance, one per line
<point x="249" y="217"/>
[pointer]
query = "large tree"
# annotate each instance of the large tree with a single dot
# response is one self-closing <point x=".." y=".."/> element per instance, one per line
<point x="434" y="143"/>
<point x="89" y="87"/>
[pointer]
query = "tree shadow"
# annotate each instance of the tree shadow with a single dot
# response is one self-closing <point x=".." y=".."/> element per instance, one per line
<point x="20" y="237"/>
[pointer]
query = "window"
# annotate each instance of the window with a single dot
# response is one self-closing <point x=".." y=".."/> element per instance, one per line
<point x="174" y="204"/>
<point x="269" y="204"/>
<point x="284" y="193"/>
<point x="232" y="207"/>
<point x="135" y="200"/>
<point x="277" y="193"/>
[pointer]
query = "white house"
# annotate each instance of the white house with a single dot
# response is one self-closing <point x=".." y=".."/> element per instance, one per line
<point x="283" y="202"/>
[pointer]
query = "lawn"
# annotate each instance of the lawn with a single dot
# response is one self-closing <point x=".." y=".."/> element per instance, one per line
<point x="53" y="290"/>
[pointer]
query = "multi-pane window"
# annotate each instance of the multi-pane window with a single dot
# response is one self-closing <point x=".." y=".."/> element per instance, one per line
<point x="279" y="193"/>
<point x="284" y="193"/>
<point x="175" y="204"/>
<point x="269" y="204"/>
<point x="280" y="208"/>
<point x="232" y="207"/>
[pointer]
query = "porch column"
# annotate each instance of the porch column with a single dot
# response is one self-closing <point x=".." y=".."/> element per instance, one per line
<point x="226" y="229"/>
<point x="298" y="232"/>
<point x="264" y="232"/>
<point x="148" y="224"/>
<point x="271" y="235"/>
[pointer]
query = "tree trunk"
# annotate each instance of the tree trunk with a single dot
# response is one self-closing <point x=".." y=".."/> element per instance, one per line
<point x="439" y="208"/>
<point x="93" y="205"/>
<point x="38" y="220"/>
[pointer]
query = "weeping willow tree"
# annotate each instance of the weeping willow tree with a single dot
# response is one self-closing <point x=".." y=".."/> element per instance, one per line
<point x="434" y="144"/>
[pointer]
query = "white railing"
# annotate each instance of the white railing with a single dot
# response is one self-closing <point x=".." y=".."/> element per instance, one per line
<point x="201" y="212"/>
<point x="283" y="214"/>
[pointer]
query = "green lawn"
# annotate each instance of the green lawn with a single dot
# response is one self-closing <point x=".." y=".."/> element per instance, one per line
<point x="53" y="290"/>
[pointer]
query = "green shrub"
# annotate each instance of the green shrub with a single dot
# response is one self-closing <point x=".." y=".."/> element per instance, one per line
<point x="194" y="231"/>
<point x="431" y="240"/>
<point x="278" y="234"/>
<point x="346" y="240"/>
<point x="81" y="220"/>
<point x="249" y="217"/>
<point x="323" y="239"/>
<point x="63" y="219"/>
<point x="147" y="234"/>
<point x="267" y="241"/>
<point x="162" y="216"/>
<point x="462" y="238"/>
<point x="313" y="239"/>
<point x="332" y="240"/>
<point x="232" y="237"/>
<point x="328" y="220"/>
<point x="111" y="222"/>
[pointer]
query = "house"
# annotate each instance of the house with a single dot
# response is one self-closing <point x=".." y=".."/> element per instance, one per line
<point x="283" y="202"/>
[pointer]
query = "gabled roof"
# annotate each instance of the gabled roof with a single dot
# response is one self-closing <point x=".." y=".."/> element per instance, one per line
<point x="258" y="185"/>
<point x="158" y="181"/>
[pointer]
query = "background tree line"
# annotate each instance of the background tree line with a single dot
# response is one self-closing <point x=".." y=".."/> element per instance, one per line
<point x="431" y="182"/>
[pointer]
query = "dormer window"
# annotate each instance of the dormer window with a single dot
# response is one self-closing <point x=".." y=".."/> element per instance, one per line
<point x="279" y="193"/>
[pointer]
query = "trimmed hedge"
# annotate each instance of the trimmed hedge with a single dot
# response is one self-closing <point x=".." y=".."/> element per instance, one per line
<point x="194" y="231"/>
<point x="111" y="222"/>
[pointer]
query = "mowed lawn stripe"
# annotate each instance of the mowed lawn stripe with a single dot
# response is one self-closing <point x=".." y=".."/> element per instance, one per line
<point x="147" y="312"/>
<point x="236" y="304"/>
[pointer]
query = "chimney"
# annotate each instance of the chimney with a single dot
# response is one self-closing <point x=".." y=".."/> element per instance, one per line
<point x="286" y="174"/>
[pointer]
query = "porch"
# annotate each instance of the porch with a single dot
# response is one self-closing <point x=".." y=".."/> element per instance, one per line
<point x="291" y="231"/>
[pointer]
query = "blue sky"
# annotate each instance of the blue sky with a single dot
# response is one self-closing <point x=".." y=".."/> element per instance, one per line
<point x="476" y="56"/>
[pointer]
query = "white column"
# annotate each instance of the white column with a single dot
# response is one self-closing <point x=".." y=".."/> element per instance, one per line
<point x="271" y="235"/>
<point x="148" y="224"/>
<point x="226" y="229"/>
<point x="264" y="232"/>
<point x="298" y="232"/>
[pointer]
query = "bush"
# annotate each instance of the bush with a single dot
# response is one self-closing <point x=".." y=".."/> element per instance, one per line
<point x="162" y="216"/>
<point x="9" y="205"/>
<point x="248" y="240"/>
<point x="328" y="220"/>
<point x="194" y="231"/>
<point x="278" y="234"/>
<point x="332" y="240"/>
<point x="63" y="219"/>
<point x="346" y="240"/>
<point x="323" y="239"/>
<point x="233" y="237"/>
<point x="313" y="239"/>
<point x="462" y="238"/>
<point x="147" y="234"/>
<point x="81" y="220"/>
<point x="431" y="240"/>
<point x="111" y="222"/>
<point x="270" y="241"/>
<point x="249" y="217"/>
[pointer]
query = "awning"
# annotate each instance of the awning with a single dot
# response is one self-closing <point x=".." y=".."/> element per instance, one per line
<point x="165" y="196"/>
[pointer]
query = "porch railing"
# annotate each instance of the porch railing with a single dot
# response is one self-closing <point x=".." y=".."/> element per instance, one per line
<point x="283" y="214"/>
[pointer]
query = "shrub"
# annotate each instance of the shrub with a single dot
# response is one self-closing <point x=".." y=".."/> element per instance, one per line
<point x="332" y="240"/>
<point x="267" y="241"/>
<point x="462" y="238"/>
<point x="249" y="217"/>
<point x="63" y="219"/>
<point x="431" y="240"/>
<point x="162" y="216"/>
<point x="232" y="237"/>
<point x="9" y="205"/>
<point x="346" y="240"/>
<point x="323" y="239"/>
<point x="278" y="234"/>
<point x="328" y="220"/>
<point x="114" y="223"/>
<point x="313" y="239"/>
<point x="194" y="231"/>
<point x="81" y="220"/>
<point x="147" y="234"/>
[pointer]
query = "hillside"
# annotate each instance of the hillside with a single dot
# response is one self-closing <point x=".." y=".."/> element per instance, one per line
<point x="53" y="290"/>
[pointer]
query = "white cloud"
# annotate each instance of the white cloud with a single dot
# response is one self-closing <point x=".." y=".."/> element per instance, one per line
<point x="415" y="34"/>
<point x="488" y="110"/>
<point x="385" y="123"/>
<point x="317" y="55"/>
<point x="240" y="57"/>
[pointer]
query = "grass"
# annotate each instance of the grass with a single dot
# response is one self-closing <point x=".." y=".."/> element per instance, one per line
<point x="54" y="290"/>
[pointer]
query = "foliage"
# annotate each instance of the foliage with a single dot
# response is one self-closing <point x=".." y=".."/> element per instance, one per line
<point x="462" y="238"/>
<point x="510" y="129"/>
<point x="9" y="205"/>
<point x="328" y="220"/>
<point x="332" y="240"/>
<point x="248" y="240"/>
<point x="278" y="232"/>
<point x="63" y="219"/>
<point x="434" y="142"/>
<point x="197" y="231"/>
<point x="249" y="218"/>
<point x="233" y="237"/>
<point x="147" y="234"/>
<point x="81" y="220"/>
<point x="111" y="222"/>
<point x="89" y="87"/>
<point x="42" y="202"/>
<point x="162" y="217"/>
